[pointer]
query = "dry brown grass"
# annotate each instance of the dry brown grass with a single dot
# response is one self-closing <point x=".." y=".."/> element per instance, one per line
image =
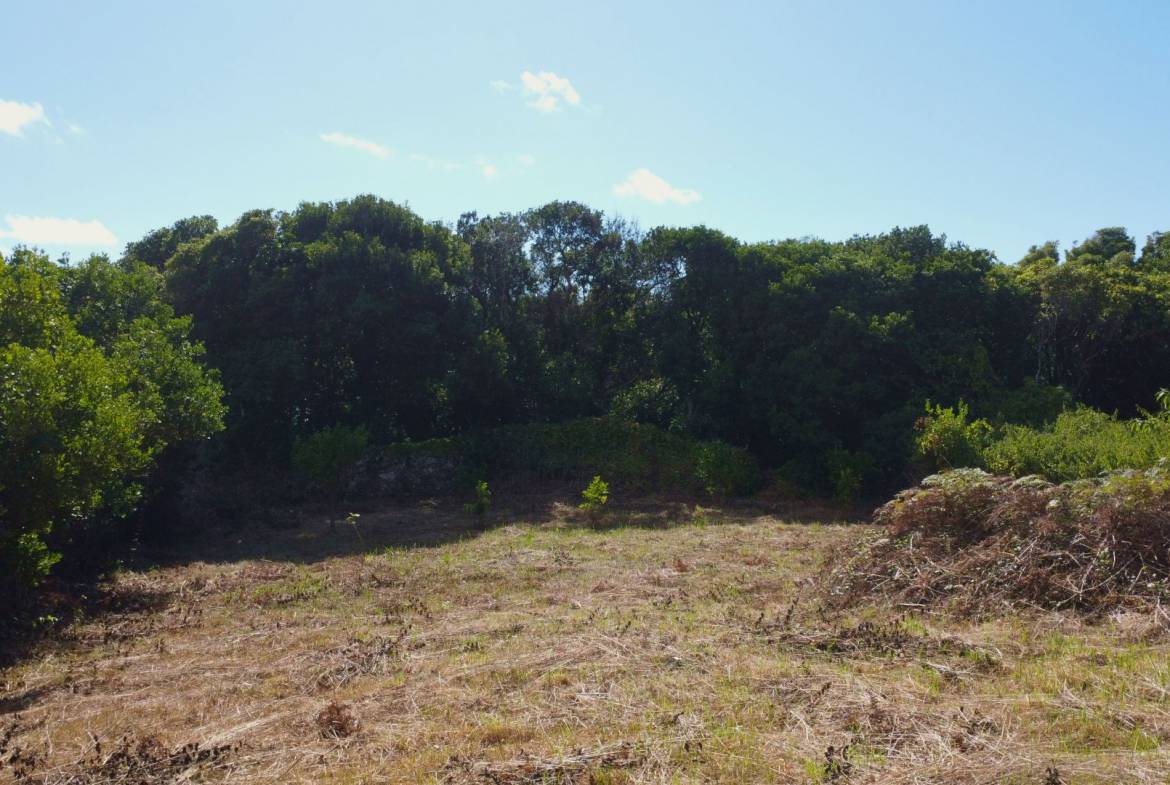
<point x="682" y="648"/>
<point x="973" y="542"/>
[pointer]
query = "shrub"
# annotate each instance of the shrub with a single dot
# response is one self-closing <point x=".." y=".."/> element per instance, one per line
<point x="482" y="502"/>
<point x="848" y="472"/>
<point x="633" y="455"/>
<point x="723" y="470"/>
<point x="654" y="401"/>
<point x="327" y="456"/>
<point x="84" y="417"/>
<point x="594" y="497"/>
<point x="1032" y="404"/>
<point x="1081" y="443"/>
<point x="948" y="439"/>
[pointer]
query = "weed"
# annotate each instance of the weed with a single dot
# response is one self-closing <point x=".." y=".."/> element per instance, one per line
<point x="594" y="498"/>
<point x="361" y="658"/>
<point x="482" y="503"/>
<point x="837" y="766"/>
<point x="581" y="766"/>
<point x="336" y="721"/>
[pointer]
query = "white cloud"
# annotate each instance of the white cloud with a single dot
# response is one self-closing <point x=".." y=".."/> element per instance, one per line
<point x="547" y="90"/>
<point x="500" y="86"/>
<point x="56" y="231"/>
<point x="524" y="159"/>
<point x="345" y="140"/>
<point x="644" y="184"/>
<point x="14" y="116"/>
<point x="488" y="170"/>
<point x="76" y="129"/>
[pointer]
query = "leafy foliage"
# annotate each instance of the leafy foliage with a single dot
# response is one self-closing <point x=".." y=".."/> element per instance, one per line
<point x="1081" y="443"/>
<point x="948" y="439"/>
<point x="815" y="356"/>
<point x="482" y="502"/>
<point x="634" y="456"/>
<point x="97" y="380"/>
<point x="723" y="470"/>
<point x="595" y="496"/>
<point x="327" y="456"/>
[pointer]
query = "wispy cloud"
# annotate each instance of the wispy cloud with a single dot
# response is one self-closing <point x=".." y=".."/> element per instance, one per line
<point x="75" y="129"/>
<point x="547" y="90"/>
<point x="15" y="116"/>
<point x="488" y="170"/>
<point x="366" y="146"/>
<point x="56" y="231"/>
<point x="644" y="184"/>
<point x="500" y="86"/>
<point x="524" y="159"/>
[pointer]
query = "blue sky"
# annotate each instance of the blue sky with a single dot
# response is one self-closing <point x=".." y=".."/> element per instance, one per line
<point x="1001" y="124"/>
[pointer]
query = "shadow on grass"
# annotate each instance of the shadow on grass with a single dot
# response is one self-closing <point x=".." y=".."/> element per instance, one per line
<point x="25" y="631"/>
<point x="307" y="535"/>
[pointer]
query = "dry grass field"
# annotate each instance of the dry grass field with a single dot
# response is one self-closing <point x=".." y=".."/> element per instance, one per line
<point x="673" y="644"/>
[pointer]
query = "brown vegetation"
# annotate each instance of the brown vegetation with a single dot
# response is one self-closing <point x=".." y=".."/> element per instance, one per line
<point x="676" y="645"/>
<point x="978" y="542"/>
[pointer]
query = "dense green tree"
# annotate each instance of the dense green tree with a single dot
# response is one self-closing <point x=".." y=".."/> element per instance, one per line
<point x="97" y="380"/>
<point x="818" y="356"/>
<point x="156" y="247"/>
<point x="330" y="314"/>
<point x="1156" y="253"/>
<point x="1101" y="321"/>
<point x="1111" y="245"/>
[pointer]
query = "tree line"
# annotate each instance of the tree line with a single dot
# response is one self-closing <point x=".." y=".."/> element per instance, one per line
<point x="817" y="356"/>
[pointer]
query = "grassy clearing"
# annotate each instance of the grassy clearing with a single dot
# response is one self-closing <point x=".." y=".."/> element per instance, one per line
<point x="684" y="646"/>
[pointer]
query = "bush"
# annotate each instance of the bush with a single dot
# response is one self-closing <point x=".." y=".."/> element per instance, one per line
<point x="635" y="456"/>
<point x="848" y="472"/>
<point x="85" y="416"/>
<point x="948" y="439"/>
<point x="723" y="470"/>
<point x="653" y="401"/>
<point x="594" y="497"/>
<point x="327" y="456"/>
<point x="482" y="502"/>
<point x="1081" y="443"/>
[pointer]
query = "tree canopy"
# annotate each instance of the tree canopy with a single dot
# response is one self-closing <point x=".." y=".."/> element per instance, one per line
<point x="816" y="355"/>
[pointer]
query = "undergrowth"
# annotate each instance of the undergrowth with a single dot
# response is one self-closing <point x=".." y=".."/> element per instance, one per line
<point x="634" y="456"/>
<point x="1080" y="443"/>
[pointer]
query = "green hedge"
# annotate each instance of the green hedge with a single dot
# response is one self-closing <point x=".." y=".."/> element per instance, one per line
<point x="1079" y="444"/>
<point x="631" y="455"/>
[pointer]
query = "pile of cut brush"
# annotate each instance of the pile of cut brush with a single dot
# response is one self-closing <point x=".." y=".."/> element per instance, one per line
<point x="977" y="542"/>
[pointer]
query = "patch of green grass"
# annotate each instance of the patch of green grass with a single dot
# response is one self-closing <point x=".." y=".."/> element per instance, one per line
<point x="303" y="586"/>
